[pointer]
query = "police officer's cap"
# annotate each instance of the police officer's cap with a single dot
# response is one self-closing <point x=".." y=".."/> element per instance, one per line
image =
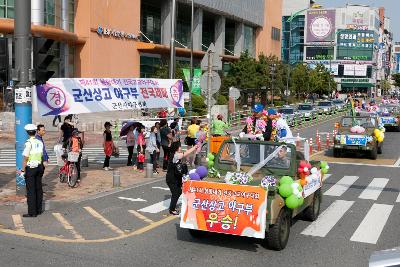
<point x="30" y="127"/>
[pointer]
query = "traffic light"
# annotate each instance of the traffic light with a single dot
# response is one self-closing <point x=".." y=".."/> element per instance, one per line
<point x="3" y="62"/>
<point x="42" y="59"/>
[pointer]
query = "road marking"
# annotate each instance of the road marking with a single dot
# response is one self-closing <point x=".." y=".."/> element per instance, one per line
<point x="371" y="227"/>
<point x="104" y="220"/>
<point x="364" y="164"/>
<point x="326" y="176"/>
<point x="133" y="199"/>
<point x="374" y="189"/>
<point x="397" y="163"/>
<point x="140" y="216"/>
<point x="158" y="207"/>
<point x="398" y="198"/>
<point x="341" y="186"/>
<point x="18" y="223"/>
<point x="327" y="219"/>
<point x="162" y="188"/>
<point x="67" y="226"/>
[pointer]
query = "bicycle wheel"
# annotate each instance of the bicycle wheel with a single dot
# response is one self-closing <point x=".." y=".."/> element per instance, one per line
<point x="73" y="175"/>
<point x="63" y="177"/>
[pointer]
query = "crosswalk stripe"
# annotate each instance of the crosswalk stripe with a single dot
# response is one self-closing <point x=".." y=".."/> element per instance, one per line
<point x="140" y="216"/>
<point x="374" y="189"/>
<point x="18" y="222"/>
<point x="398" y="198"/>
<point x="104" y="220"/>
<point x="326" y="176"/>
<point x="159" y="206"/>
<point x="327" y="219"/>
<point x="161" y="188"/>
<point x="67" y="226"/>
<point x="341" y="186"/>
<point x="371" y="227"/>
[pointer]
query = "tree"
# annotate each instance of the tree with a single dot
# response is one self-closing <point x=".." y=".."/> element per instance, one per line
<point x="396" y="78"/>
<point x="300" y="78"/>
<point x="320" y="79"/>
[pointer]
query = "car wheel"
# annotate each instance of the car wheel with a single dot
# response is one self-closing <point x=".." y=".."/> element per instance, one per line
<point x="374" y="152"/>
<point x="197" y="233"/>
<point x="380" y="146"/>
<point x="278" y="234"/>
<point x="311" y="213"/>
<point x="336" y="152"/>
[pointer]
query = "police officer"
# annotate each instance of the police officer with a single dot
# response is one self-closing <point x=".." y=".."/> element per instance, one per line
<point x="32" y="169"/>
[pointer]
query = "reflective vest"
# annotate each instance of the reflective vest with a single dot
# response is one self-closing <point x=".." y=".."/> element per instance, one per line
<point x="36" y="152"/>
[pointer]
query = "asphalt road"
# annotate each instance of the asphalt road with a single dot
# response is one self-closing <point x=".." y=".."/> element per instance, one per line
<point x="360" y="214"/>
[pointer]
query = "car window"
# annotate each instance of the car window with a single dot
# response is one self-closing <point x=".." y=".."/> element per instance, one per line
<point x="252" y="154"/>
<point x="305" y="107"/>
<point x="286" y="111"/>
<point x="366" y="122"/>
<point x="324" y="104"/>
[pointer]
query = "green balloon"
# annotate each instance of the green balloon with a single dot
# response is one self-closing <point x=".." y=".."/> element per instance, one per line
<point x="292" y="202"/>
<point x="323" y="164"/>
<point x="300" y="187"/>
<point x="300" y="201"/>
<point x="286" y="180"/>
<point x="211" y="156"/>
<point x="285" y="190"/>
<point x="324" y="170"/>
<point x="210" y="164"/>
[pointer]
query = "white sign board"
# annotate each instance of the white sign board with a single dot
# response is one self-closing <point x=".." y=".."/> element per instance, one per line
<point x="355" y="70"/>
<point x="313" y="185"/>
<point x="23" y="95"/>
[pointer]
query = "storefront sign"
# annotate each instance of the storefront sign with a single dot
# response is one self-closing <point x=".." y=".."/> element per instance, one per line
<point x="87" y="95"/>
<point x="320" y="25"/>
<point x="196" y="89"/>
<point x="319" y="53"/>
<point x="224" y="208"/>
<point x="356" y="39"/>
<point x="355" y="70"/>
<point x="356" y="80"/>
<point x="357" y="27"/>
<point x="116" y="33"/>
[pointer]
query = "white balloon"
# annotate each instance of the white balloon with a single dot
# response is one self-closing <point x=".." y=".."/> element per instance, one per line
<point x="305" y="169"/>
<point x="327" y="167"/>
<point x="192" y="171"/>
<point x="314" y="170"/>
<point x="294" y="185"/>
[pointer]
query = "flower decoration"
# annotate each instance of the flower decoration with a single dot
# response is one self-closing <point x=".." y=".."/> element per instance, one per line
<point x="185" y="178"/>
<point x="357" y="129"/>
<point x="268" y="181"/>
<point x="214" y="173"/>
<point x="238" y="178"/>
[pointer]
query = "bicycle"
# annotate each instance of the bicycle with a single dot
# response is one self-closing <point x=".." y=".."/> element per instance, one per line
<point x="69" y="173"/>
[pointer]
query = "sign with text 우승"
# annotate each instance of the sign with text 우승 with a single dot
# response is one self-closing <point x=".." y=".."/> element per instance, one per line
<point x="87" y="95"/>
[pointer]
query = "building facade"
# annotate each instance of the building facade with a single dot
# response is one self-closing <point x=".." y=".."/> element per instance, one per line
<point x="131" y="38"/>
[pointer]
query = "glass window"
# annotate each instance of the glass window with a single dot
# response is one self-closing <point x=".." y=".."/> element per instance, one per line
<point x="229" y="37"/>
<point x="148" y="65"/>
<point x="208" y="32"/>
<point x="71" y="62"/>
<point x="183" y="25"/>
<point x="71" y="15"/>
<point x="49" y="12"/>
<point x="151" y="21"/>
<point x="275" y="34"/>
<point x="7" y="9"/>
<point x="249" y="40"/>
<point x="366" y="122"/>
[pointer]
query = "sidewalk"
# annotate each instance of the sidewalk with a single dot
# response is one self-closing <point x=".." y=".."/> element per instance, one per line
<point x="94" y="180"/>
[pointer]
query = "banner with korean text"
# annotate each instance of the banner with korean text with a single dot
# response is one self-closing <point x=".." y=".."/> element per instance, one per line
<point x="87" y="95"/>
<point x="224" y="208"/>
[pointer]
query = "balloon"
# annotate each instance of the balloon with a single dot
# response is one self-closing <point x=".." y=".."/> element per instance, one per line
<point x="302" y="164"/>
<point x="309" y="166"/>
<point x="181" y="111"/>
<point x="258" y="108"/>
<point x="202" y="171"/>
<point x="194" y="176"/>
<point x="314" y="170"/>
<point x="303" y="182"/>
<point x="324" y="170"/>
<point x="210" y="156"/>
<point x="294" y="185"/>
<point x="300" y="201"/>
<point x="299" y="187"/>
<point x="285" y="190"/>
<point x="300" y="170"/>
<point x="306" y="169"/>
<point x="292" y="202"/>
<point x="286" y="180"/>
<point x="323" y="164"/>
<point x="192" y="171"/>
<point x="296" y="191"/>
<point x="376" y="132"/>
<point x="380" y="139"/>
<point x="210" y="164"/>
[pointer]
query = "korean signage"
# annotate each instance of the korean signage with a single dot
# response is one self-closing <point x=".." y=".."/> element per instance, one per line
<point x="313" y="185"/>
<point x="354" y="70"/>
<point x="320" y="25"/>
<point x="103" y="31"/>
<point x="224" y="208"/>
<point x="356" y="80"/>
<point x="196" y="89"/>
<point x="87" y="95"/>
<point x="319" y="53"/>
<point x="356" y="39"/>
<point x="23" y="95"/>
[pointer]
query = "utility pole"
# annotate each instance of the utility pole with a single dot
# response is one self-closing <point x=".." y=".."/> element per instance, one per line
<point x="191" y="62"/>
<point x="172" y="44"/>
<point x="23" y="110"/>
<point x="209" y="96"/>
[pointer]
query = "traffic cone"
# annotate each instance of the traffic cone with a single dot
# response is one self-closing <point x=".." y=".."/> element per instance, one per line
<point x="311" y="146"/>
<point x="327" y="140"/>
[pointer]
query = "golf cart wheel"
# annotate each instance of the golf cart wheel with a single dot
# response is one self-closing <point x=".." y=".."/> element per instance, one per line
<point x="336" y="152"/>
<point x="73" y="175"/>
<point x="311" y="212"/>
<point x="278" y="235"/>
<point x="374" y="152"/>
<point x="380" y="148"/>
<point x="197" y="233"/>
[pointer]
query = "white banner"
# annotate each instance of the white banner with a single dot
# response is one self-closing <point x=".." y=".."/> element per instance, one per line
<point x="355" y="70"/>
<point x="87" y="95"/>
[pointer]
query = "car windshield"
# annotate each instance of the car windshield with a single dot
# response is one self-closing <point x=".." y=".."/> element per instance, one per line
<point x="305" y="107"/>
<point x="324" y="104"/>
<point x="338" y="101"/>
<point x="253" y="153"/>
<point x="389" y="109"/>
<point x="366" y="122"/>
<point x="286" y="110"/>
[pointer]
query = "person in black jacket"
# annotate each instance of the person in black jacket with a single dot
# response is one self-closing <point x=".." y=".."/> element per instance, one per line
<point x="173" y="179"/>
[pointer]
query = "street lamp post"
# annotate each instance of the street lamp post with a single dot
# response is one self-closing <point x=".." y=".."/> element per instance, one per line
<point x="191" y="62"/>
<point x="172" y="43"/>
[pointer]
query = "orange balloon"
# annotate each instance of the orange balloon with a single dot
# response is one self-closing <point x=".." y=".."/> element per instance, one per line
<point x="303" y="182"/>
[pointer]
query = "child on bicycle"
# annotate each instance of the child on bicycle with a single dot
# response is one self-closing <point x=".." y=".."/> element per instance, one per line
<point x="75" y="144"/>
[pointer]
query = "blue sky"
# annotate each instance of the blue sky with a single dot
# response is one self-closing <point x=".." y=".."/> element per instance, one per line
<point x="391" y="7"/>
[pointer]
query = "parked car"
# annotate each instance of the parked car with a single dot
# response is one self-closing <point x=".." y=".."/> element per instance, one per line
<point x="290" y="115"/>
<point x="326" y="107"/>
<point x="307" y="111"/>
<point x="339" y="104"/>
<point x="389" y="115"/>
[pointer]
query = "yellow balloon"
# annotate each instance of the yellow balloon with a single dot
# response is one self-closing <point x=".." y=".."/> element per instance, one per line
<point x="376" y="132"/>
<point x="380" y="139"/>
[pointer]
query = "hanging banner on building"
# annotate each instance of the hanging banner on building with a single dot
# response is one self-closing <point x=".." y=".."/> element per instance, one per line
<point x="196" y="89"/>
<point x="87" y="95"/>
<point x="355" y="70"/>
<point x="356" y="39"/>
<point x="320" y="25"/>
<point x="334" y="67"/>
